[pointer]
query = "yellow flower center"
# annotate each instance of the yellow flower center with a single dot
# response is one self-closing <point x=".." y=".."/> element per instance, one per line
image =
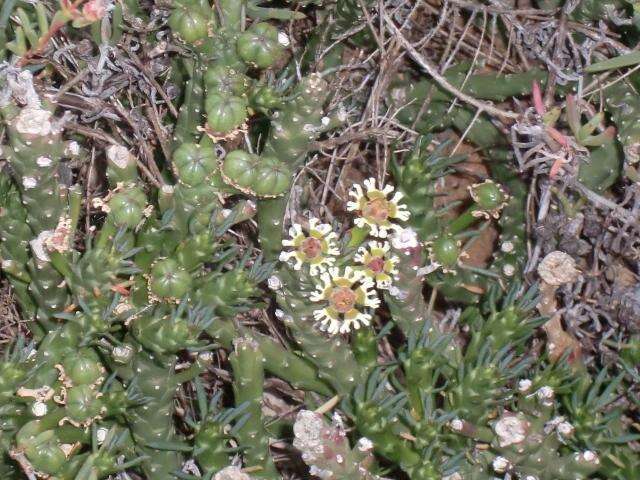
<point x="342" y="299"/>
<point x="376" y="210"/>
<point x="376" y="265"/>
<point x="311" y="247"/>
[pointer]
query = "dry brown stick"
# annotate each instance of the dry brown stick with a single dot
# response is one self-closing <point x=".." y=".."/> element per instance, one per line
<point x="602" y="202"/>
<point x="379" y="41"/>
<point x="560" y="38"/>
<point x="351" y="137"/>
<point x="435" y="30"/>
<point x="153" y="82"/>
<point x="159" y="129"/>
<point x="507" y="54"/>
<point x="452" y="55"/>
<point x="595" y="85"/>
<point x="504" y="63"/>
<point x="151" y="170"/>
<point x="510" y="24"/>
<point x="91" y="132"/>
<point x="89" y="190"/>
<point x="70" y="84"/>
<point x="442" y="81"/>
<point x="453" y="26"/>
<point x="325" y="189"/>
<point x="473" y="63"/>
<point x="491" y="9"/>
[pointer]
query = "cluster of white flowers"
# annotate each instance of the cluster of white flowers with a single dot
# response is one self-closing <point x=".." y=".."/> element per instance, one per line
<point x="345" y="296"/>
<point x="317" y="248"/>
<point x="346" y="293"/>
<point x="375" y="210"/>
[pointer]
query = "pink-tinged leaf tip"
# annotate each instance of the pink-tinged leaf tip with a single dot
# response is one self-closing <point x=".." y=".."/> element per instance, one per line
<point x="537" y="99"/>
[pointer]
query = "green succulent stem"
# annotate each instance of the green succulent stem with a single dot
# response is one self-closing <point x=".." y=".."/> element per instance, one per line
<point x="270" y="217"/>
<point x="247" y="364"/>
<point x="278" y="360"/>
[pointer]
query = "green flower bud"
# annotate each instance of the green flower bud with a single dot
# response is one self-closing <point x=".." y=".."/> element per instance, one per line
<point x="46" y="457"/>
<point x="488" y="195"/>
<point x="189" y="23"/>
<point x="265" y="98"/>
<point x="193" y="163"/>
<point x="225" y="112"/>
<point x="445" y="251"/>
<point x="169" y="279"/>
<point x="127" y="207"/>
<point x="239" y="168"/>
<point x="272" y="178"/>
<point x="10" y="375"/>
<point x="260" y="45"/>
<point x="82" y="403"/>
<point x="83" y="367"/>
<point x="224" y="80"/>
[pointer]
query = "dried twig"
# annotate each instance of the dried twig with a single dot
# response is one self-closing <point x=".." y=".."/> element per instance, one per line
<point x="442" y="81"/>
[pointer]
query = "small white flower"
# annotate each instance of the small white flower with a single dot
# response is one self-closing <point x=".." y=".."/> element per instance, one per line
<point x="500" y="464"/>
<point x="507" y="247"/>
<point x="364" y="445"/>
<point x="524" y="385"/>
<point x="316" y="249"/>
<point x="588" y="456"/>
<point x="119" y="155"/>
<point x="509" y="270"/>
<point x="231" y="473"/>
<point x="34" y="121"/>
<point x="566" y="429"/>
<point x="122" y="354"/>
<point x="274" y="282"/>
<point x="29" y="182"/>
<point x="283" y="39"/>
<point x="375" y="210"/>
<point x="456" y="425"/>
<point x="511" y="429"/>
<point x="453" y="476"/>
<point x="43" y="161"/>
<point x="546" y="396"/>
<point x="398" y="293"/>
<point x="39" y="409"/>
<point x="405" y="238"/>
<point x="72" y="149"/>
<point x="377" y="263"/>
<point x="344" y="297"/>
<point x="101" y="435"/>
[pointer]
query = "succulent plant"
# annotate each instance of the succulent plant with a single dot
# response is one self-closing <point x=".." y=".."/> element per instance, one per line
<point x="193" y="310"/>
